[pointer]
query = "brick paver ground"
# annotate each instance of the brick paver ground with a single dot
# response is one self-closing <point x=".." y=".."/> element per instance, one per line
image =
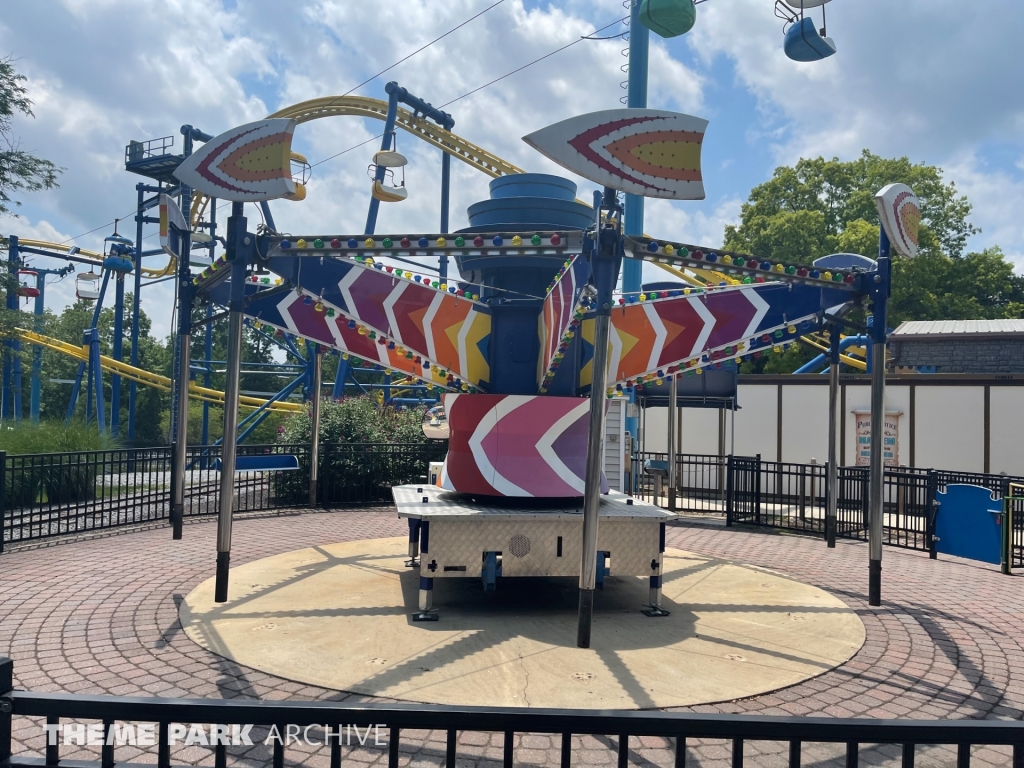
<point x="99" y="615"/>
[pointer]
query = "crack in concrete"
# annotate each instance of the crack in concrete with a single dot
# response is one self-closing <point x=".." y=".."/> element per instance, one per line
<point x="526" y="687"/>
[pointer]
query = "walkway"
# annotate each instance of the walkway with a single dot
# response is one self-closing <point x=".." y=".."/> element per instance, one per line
<point x="100" y="616"/>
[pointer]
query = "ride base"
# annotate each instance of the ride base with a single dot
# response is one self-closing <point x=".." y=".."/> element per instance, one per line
<point x="454" y="535"/>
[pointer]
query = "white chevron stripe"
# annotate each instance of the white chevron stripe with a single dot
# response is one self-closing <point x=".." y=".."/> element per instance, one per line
<point x="345" y="286"/>
<point x="463" y="333"/>
<point x="760" y="307"/>
<point x="709" y="324"/>
<point x="504" y="407"/>
<point x="428" y="320"/>
<point x="659" y="334"/>
<point x="483" y="464"/>
<point x="615" y="356"/>
<point x="394" y="330"/>
<point x="545" y="449"/>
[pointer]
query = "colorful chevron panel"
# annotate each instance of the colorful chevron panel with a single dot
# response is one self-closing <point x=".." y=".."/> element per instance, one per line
<point x="652" y="335"/>
<point x="516" y="445"/>
<point x="451" y="331"/>
<point x="292" y="314"/>
<point x="558" y="309"/>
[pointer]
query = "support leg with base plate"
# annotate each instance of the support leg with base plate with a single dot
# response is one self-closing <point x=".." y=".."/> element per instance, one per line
<point x="654" y="609"/>
<point x="414" y="543"/>
<point x="426" y="581"/>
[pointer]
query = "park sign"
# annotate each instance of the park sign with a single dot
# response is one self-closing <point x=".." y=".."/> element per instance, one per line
<point x="172" y="226"/>
<point x="247" y="164"/>
<point x="645" y="152"/>
<point x="899" y="211"/>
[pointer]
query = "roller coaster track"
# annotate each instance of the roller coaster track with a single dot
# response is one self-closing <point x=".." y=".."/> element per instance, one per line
<point x="147" y="378"/>
<point x="97" y="257"/>
<point x="363" y="106"/>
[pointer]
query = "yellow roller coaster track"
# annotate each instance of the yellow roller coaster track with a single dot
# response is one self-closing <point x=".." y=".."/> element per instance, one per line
<point x="155" y="380"/>
<point x="93" y="256"/>
<point x="363" y="106"/>
<point x="823" y="347"/>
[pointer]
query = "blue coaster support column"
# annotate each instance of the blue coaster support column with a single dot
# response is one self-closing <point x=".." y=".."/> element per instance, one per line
<point x="136" y="308"/>
<point x="77" y="388"/>
<point x="7" y="409"/>
<point x="117" y="354"/>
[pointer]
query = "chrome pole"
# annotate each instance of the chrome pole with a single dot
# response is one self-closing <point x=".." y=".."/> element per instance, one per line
<point x="673" y="392"/>
<point x="314" y="418"/>
<point x="832" y="481"/>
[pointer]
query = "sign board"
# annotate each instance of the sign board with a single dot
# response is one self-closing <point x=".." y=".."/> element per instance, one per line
<point x="899" y="211"/>
<point x="645" y="152"/>
<point x="890" y="438"/>
<point x="247" y="164"/>
<point x="172" y="226"/>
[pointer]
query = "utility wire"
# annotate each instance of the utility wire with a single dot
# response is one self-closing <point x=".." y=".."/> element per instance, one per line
<point x="535" y="61"/>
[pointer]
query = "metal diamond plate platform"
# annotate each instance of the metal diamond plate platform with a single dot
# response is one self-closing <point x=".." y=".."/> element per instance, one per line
<point x="532" y="540"/>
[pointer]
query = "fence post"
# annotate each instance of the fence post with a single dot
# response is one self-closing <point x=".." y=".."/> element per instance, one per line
<point x="176" y="515"/>
<point x="6" y="707"/>
<point x="933" y="487"/>
<point x="730" y="481"/>
<point x="757" y="491"/>
<point x="3" y="499"/>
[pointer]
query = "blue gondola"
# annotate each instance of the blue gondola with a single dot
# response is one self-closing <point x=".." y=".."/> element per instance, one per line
<point x="804" y="43"/>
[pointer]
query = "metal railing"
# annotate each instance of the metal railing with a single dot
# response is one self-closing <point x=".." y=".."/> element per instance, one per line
<point x="792" y="496"/>
<point x="858" y="737"/>
<point x="701" y="482"/>
<point x="57" y="494"/>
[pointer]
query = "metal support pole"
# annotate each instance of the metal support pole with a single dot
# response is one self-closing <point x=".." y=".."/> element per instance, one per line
<point x="117" y="344"/>
<point x="208" y="334"/>
<point x="37" y="351"/>
<point x="208" y="352"/>
<point x="136" y="308"/>
<point x="96" y="377"/>
<point x="7" y="404"/>
<point x="385" y="144"/>
<point x="673" y="481"/>
<point x="181" y="379"/>
<point x="76" y="389"/>
<point x="880" y="295"/>
<point x="446" y="181"/>
<point x="605" y="261"/>
<point x="239" y="243"/>
<point x="314" y="419"/>
<point x="832" y="480"/>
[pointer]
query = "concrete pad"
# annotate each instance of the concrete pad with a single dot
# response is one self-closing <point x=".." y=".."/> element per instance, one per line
<point x="339" y="617"/>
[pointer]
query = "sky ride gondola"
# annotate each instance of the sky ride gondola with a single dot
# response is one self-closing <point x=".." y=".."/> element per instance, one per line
<point x="388" y="159"/>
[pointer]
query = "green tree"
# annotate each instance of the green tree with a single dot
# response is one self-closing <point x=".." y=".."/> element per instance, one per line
<point x="20" y="170"/>
<point x="842" y="194"/>
<point x="819" y="206"/>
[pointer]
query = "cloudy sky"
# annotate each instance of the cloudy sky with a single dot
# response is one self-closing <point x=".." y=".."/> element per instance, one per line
<point x="936" y="80"/>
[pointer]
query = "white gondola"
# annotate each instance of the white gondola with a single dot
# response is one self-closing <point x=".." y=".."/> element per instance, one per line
<point x="86" y="287"/>
<point x="387" y="190"/>
<point x="301" y="170"/>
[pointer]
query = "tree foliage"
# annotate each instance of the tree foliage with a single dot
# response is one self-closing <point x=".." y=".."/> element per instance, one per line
<point x="819" y="206"/>
<point x="20" y="169"/>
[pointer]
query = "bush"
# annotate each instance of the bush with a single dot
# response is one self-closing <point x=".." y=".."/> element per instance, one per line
<point x="350" y="471"/>
<point x="57" y="480"/>
<point x="357" y="420"/>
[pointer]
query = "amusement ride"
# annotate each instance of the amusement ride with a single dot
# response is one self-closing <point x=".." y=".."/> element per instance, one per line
<point x="545" y="322"/>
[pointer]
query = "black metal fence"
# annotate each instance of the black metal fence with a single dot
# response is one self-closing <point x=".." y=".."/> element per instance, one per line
<point x="792" y="496"/>
<point x="55" y="494"/>
<point x="857" y="738"/>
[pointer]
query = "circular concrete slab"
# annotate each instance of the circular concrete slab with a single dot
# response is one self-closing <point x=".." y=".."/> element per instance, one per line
<point x="339" y="617"/>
